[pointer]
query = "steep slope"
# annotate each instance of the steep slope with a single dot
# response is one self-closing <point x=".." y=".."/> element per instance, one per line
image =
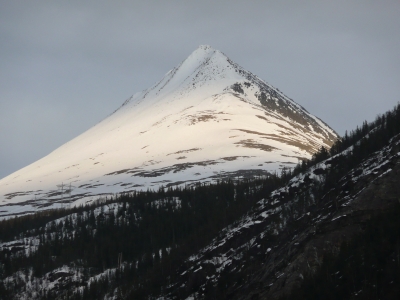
<point x="287" y="236"/>
<point x="207" y="119"/>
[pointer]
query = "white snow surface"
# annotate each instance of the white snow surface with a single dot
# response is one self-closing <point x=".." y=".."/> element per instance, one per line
<point x="193" y="125"/>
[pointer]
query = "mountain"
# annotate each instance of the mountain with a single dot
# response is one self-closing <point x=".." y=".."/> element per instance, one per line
<point x="208" y="119"/>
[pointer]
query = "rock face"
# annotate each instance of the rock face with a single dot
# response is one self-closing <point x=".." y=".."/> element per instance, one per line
<point x="207" y="119"/>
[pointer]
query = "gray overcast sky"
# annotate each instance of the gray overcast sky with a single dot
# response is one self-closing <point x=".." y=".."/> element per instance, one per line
<point x="66" y="65"/>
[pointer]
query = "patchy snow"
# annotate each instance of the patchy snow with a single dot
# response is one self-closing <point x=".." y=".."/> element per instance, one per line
<point x="338" y="217"/>
<point x="268" y="217"/>
<point x="173" y="202"/>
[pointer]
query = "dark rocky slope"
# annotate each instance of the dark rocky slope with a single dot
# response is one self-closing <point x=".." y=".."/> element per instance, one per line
<point x="270" y="251"/>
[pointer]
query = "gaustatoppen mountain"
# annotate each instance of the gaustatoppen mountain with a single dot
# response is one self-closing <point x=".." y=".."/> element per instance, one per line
<point x="207" y="119"/>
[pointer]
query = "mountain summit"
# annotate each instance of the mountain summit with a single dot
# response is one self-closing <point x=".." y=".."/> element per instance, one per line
<point x="207" y="119"/>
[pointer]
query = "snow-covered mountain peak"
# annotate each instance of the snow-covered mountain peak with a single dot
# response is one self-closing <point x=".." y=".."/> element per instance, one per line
<point x="202" y="56"/>
<point x="199" y="56"/>
<point x="205" y="120"/>
<point x="205" y="65"/>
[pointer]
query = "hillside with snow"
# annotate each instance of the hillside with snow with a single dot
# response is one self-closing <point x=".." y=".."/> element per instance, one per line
<point x="326" y="230"/>
<point x="208" y="119"/>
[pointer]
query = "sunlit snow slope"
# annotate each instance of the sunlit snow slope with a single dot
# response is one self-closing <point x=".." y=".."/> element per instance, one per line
<point x="207" y="119"/>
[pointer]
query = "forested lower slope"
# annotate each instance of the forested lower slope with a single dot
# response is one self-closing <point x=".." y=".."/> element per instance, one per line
<point x="281" y="244"/>
<point x="275" y="237"/>
<point x="135" y="238"/>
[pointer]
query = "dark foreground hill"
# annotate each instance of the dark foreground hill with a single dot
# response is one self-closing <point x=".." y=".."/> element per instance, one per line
<point x="329" y="229"/>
